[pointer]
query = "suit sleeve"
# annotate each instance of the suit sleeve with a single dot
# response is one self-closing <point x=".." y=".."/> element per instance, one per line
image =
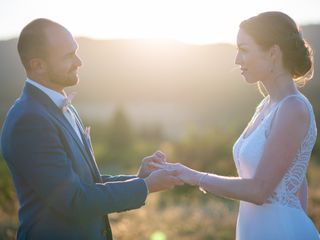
<point x="117" y="178"/>
<point x="38" y="155"/>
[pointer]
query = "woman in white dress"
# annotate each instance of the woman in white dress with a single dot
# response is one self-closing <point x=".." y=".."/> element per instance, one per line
<point x="273" y="152"/>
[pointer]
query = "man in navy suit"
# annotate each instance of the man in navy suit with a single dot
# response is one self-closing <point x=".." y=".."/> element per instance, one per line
<point x="61" y="192"/>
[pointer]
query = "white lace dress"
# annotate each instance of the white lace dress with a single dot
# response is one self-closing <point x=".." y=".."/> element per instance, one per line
<point x="283" y="218"/>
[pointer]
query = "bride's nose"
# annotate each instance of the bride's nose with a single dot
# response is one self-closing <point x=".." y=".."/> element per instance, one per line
<point x="238" y="59"/>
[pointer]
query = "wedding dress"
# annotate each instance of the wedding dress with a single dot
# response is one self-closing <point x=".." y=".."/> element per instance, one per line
<point x="282" y="218"/>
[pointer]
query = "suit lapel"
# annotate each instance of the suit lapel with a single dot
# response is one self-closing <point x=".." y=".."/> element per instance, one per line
<point x="55" y="112"/>
<point x="87" y="144"/>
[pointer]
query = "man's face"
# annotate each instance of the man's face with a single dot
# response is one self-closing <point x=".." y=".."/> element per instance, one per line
<point x="62" y="59"/>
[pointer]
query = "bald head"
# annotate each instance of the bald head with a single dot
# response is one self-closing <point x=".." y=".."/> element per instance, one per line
<point x="33" y="40"/>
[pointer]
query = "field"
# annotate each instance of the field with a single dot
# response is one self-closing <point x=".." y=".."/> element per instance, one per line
<point x="183" y="213"/>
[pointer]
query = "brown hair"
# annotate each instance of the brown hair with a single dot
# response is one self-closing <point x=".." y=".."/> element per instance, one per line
<point x="32" y="41"/>
<point x="277" y="28"/>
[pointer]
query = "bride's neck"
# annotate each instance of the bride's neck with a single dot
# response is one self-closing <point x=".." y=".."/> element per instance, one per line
<point x="280" y="86"/>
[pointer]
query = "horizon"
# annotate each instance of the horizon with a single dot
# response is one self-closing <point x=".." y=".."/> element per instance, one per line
<point x="156" y="40"/>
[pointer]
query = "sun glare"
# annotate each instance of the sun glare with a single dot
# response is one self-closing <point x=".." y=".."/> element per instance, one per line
<point x="197" y="22"/>
<point x="190" y="21"/>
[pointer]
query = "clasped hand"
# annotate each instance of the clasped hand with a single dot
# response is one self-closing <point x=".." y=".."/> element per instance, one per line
<point x="160" y="175"/>
<point x="184" y="173"/>
<point x="158" y="179"/>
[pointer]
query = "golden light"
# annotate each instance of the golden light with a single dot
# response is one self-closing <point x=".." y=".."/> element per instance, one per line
<point x="187" y="21"/>
<point x="191" y="21"/>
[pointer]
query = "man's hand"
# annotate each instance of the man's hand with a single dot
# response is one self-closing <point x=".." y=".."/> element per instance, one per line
<point x="149" y="164"/>
<point x="162" y="179"/>
<point x="184" y="173"/>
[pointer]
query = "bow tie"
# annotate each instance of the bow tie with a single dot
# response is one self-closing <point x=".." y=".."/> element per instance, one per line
<point x="67" y="101"/>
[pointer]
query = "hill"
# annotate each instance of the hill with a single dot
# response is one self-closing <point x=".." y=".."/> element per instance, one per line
<point x="164" y="81"/>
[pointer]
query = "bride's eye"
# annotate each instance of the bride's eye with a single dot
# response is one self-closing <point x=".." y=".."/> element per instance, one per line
<point x="241" y="49"/>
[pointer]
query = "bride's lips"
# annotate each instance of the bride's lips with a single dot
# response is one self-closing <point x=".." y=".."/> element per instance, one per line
<point x="243" y="70"/>
<point x="74" y="71"/>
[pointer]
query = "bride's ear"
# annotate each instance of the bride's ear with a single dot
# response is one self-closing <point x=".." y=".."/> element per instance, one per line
<point x="275" y="53"/>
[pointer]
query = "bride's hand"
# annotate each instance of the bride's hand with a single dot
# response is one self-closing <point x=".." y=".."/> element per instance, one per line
<point x="186" y="174"/>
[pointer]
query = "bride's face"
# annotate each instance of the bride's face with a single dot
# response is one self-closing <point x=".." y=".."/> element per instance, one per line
<point x="255" y="63"/>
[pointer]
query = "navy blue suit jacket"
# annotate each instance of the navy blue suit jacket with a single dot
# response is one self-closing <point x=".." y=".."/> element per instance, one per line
<point x="61" y="192"/>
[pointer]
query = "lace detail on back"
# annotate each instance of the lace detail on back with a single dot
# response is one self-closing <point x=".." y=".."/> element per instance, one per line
<point x="285" y="193"/>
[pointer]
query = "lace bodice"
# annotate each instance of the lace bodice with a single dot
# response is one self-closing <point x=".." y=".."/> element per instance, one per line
<point x="248" y="150"/>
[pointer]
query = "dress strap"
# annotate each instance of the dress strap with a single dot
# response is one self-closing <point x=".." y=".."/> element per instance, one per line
<point x="299" y="97"/>
<point x="287" y="97"/>
<point x="275" y="110"/>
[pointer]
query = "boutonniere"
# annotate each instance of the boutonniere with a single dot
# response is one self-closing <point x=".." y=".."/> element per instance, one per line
<point x="87" y="135"/>
<point x="87" y="132"/>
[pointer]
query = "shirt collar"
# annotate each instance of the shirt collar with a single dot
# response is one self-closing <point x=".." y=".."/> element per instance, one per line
<point x="56" y="97"/>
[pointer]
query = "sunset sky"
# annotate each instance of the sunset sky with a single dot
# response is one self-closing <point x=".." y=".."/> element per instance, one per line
<point x="190" y="21"/>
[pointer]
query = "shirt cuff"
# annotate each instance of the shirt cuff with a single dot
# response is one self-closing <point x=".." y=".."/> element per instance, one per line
<point x="146" y="185"/>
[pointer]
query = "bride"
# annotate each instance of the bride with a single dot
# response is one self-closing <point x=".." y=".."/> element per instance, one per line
<point x="273" y="152"/>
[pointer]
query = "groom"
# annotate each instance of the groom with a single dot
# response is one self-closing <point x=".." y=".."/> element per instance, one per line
<point x="61" y="192"/>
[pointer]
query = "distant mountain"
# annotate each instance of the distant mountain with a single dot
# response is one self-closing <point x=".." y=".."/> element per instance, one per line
<point x="201" y="78"/>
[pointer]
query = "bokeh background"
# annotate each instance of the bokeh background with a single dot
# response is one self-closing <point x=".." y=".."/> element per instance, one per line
<point x="158" y="75"/>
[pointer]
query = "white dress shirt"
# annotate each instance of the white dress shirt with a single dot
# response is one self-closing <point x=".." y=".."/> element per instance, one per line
<point x="59" y="100"/>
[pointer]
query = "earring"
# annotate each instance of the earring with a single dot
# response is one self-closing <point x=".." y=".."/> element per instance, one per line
<point x="271" y="69"/>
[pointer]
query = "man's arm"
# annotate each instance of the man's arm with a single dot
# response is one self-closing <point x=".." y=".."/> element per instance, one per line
<point x="116" y="178"/>
<point x="145" y="169"/>
<point x="39" y="157"/>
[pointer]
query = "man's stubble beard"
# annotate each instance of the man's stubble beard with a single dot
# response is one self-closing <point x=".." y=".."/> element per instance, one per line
<point x="63" y="81"/>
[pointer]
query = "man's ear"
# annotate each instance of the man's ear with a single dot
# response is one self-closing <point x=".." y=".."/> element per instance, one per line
<point x="38" y="65"/>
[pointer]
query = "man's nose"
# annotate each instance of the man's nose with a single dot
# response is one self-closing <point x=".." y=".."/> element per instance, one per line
<point x="78" y="61"/>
